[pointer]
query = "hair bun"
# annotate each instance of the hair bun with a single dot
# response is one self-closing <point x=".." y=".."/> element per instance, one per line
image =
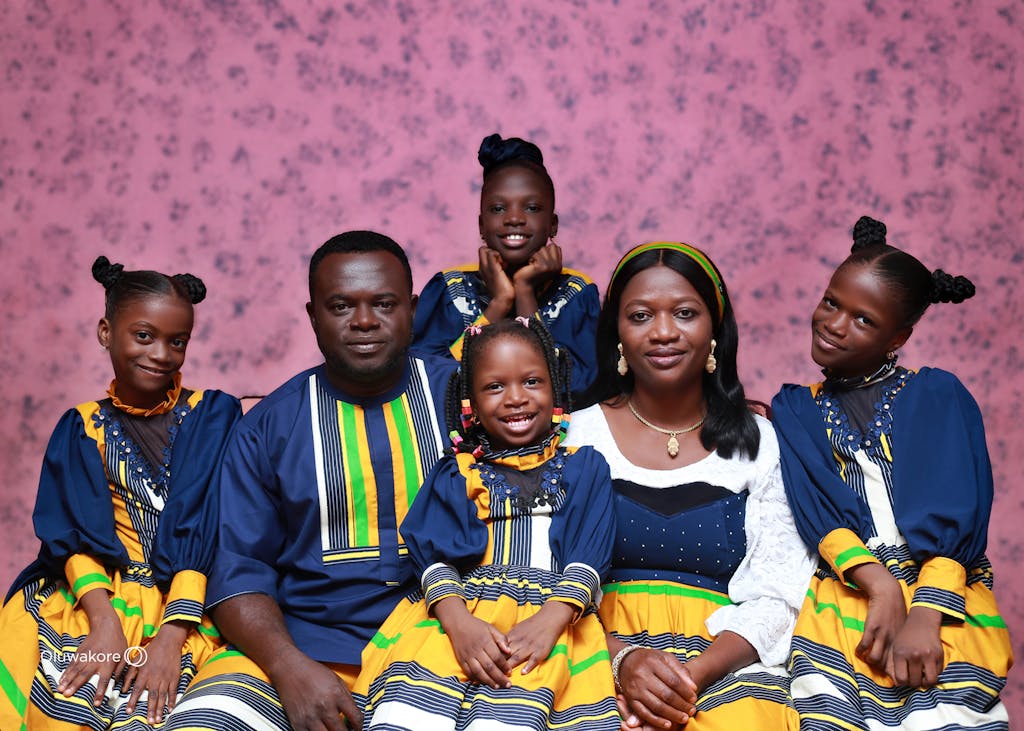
<point x="868" y="232"/>
<point x="193" y="285"/>
<point x="947" y="288"/>
<point x="106" y="273"/>
<point x="494" y="151"/>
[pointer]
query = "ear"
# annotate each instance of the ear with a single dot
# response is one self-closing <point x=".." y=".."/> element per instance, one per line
<point x="103" y="332"/>
<point x="554" y="225"/>
<point x="413" y="301"/>
<point x="309" y="312"/>
<point x="480" y="224"/>
<point x="901" y="338"/>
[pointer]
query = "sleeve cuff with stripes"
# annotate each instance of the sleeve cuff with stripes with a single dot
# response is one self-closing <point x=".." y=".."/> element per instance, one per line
<point x="843" y="549"/>
<point x="186" y="598"/>
<point x="440" y="581"/>
<point x="84" y="573"/>
<point x="580" y="587"/>
<point x="942" y="585"/>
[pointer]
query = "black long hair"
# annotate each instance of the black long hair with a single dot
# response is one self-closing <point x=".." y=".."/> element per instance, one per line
<point x="914" y="287"/>
<point x="729" y="426"/>
<point x="469" y="437"/>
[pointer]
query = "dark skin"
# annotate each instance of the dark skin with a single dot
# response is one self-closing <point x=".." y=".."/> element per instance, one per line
<point x="666" y="330"/>
<point x="517" y="219"/>
<point x="361" y="310"/>
<point x="147" y="339"/>
<point x="853" y="327"/>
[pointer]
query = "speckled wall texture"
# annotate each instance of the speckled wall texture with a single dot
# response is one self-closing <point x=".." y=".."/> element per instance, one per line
<point x="230" y="138"/>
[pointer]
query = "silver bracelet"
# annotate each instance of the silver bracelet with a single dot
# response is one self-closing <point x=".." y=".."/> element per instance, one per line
<point x="617" y="662"/>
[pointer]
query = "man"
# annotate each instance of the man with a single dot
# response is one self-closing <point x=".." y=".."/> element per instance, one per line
<point x="315" y="482"/>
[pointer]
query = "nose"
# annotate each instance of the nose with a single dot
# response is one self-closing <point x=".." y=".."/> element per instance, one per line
<point x="514" y="216"/>
<point x="835" y="323"/>
<point x="364" y="317"/>
<point x="663" y="328"/>
<point x="160" y="352"/>
<point x="515" y="395"/>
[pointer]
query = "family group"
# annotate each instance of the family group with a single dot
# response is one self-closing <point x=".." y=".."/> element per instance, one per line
<point x="505" y="503"/>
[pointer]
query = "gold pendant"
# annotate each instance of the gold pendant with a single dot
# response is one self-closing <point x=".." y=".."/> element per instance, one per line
<point x="673" y="446"/>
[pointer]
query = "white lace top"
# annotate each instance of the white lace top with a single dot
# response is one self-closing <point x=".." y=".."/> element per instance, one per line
<point x="769" y="585"/>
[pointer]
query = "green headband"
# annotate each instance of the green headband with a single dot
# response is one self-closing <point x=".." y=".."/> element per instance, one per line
<point x="694" y="253"/>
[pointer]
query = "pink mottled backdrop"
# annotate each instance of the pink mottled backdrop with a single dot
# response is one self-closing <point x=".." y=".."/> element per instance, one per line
<point x="231" y="138"/>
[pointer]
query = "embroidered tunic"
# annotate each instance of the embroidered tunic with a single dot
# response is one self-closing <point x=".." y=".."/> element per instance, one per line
<point x="127" y="504"/>
<point x="898" y="476"/>
<point x="456" y="298"/>
<point x="506" y="535"/>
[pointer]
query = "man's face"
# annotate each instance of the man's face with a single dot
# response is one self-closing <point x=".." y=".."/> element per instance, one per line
<point x="361" y="312"/>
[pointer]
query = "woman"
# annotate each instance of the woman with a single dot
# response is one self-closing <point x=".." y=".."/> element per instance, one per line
<point x="708" y="571"/>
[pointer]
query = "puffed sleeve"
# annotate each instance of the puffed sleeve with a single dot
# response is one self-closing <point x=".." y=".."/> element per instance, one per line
<point x="574" y="326"/>
<point x="770" y="583"/>
<point x="251" y="528"/>
<point x="186" y="536"/>
<point x="74" y="515"/>
<point x="942" y="485"/>
<point x="583" y="529"/>
<point x="444" y="534"/>
<point x="438" y="324"/>
<point x="829" y="516"/>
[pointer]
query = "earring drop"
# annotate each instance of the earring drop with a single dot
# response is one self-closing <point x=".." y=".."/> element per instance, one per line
<point x="622" y="366"/>
<point x="712" y="365"/>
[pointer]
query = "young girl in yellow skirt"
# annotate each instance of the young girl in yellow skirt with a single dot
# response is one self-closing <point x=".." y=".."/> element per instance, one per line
<point x="106" y="628"/>
<point x="511" y="535"/>
<point x="889" y="479"/>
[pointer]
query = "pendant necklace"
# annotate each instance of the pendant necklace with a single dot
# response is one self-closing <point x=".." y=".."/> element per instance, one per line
<point x="673" y="444"/>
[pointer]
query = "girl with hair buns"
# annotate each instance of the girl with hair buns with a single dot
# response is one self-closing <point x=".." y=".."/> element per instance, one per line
<point x="519" y="271"/>
<point x="888" y="475"/>
<point x="105" y="629"/>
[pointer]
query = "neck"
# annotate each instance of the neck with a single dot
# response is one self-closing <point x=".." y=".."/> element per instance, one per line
<point x="368" y="389"/>
<point x="679" y="408"/>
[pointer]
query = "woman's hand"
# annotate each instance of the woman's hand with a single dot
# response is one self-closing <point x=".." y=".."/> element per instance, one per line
<point x="887" y="612"/>
<point x="498" y="284"/>
<point x="101" y="653"/>
<point x="158" y="675"/>
<point x="916" y="657"/>
<point x="482" y="651"/>
<point x="657" y="690"/>
<point x="532" y="639"/>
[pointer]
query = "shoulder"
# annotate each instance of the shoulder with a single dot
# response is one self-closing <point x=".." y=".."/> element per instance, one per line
<point x="585" y="425"/>
<point x="768" y="449"/>
<point x="936" y="379"/>
<point x="286" y="398"/>
<point x="212" y="399"/>
<point x="573" y="275"/>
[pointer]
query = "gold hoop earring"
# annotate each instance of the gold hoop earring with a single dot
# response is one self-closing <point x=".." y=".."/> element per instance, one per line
<point x="712" y="365"/>
<point x="622" y="366"/>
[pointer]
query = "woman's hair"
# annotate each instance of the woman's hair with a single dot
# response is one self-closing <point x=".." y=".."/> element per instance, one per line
<point x="123" y="286"/>
<point x="496" y="154"/>
<point x="467" y="436"/>
<point x="729" y="426"/>
<point x="912" y="285"/>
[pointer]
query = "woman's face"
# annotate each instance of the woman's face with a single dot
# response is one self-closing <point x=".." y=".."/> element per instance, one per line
<point x="665" y="329"/>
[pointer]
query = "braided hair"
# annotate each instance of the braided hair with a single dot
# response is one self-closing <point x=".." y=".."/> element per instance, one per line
<point x="466" y="434"/>
<point x="123" y="286"/>
<point x="496" y="153"/>
<point x="913" y="286"/>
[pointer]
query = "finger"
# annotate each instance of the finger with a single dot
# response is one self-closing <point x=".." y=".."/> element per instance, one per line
<point x="930" y="672"/>
<point x="900" y="673"/>
<point x="128" y="680"/>
<point x="349" y="708"/>
<point x="496" y="677"/>
<point x="106" y="679"/>
<point x="676" y="679"/>
<point x="866" y="641"/>
<point x="890" y="665"/>
<point x="138" y="687"/>
<point x="647" y="715"/>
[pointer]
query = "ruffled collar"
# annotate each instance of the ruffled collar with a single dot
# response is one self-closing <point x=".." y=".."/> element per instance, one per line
<point x="524" y="458"/>
<point x="170" y="400"/>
